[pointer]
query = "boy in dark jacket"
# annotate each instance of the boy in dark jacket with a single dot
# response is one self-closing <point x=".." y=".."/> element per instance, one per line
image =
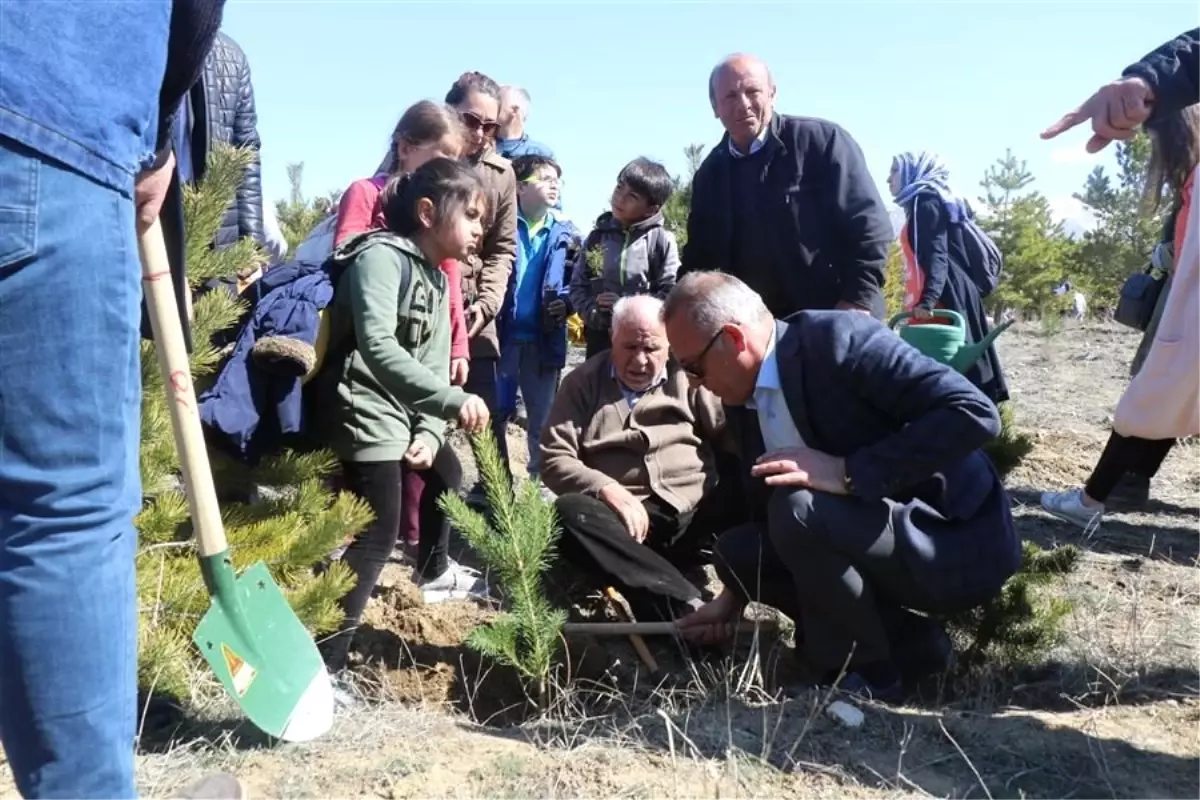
<point x="628" y="252"/>
<point x="532" y="322"/>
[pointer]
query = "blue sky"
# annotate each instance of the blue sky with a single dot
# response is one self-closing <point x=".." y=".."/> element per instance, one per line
<point x="614" y="80"/>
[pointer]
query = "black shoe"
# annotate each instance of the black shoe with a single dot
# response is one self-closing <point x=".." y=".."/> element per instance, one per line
<point x="1132" y="493"/>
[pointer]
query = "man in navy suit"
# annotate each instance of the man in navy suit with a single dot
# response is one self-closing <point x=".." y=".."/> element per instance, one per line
<point x="869" y="495"/>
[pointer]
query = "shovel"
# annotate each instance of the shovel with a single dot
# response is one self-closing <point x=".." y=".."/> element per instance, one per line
<point x="250" y="636"/>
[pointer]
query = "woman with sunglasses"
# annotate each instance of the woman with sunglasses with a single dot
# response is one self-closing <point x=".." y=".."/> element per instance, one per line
<point x="476" y="98"/>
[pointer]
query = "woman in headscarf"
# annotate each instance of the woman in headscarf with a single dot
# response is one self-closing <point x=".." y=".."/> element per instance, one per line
<point x="936" y="270"/>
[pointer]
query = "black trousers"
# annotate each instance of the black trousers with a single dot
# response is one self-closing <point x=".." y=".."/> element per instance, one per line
<point x="647" y="573"/>
<point x="834" y="565"/>
<point x="379" y="484"/>
<point x="1124" y="454"/>
<point x="433" y="526"/>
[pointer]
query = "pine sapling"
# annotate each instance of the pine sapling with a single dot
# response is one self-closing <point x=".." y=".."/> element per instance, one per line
<point x="517" y="546"/>
<point x="1008" y="449"/>
<point x="1025" y="621"/>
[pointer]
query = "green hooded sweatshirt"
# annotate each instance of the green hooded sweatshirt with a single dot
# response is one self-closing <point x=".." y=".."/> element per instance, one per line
<point x="386" y="381"/>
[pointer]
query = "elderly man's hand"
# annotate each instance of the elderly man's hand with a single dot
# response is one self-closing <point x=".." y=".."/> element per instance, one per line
<point x="629" y="509"/>
<point x="713" y="622"/>
<point x="803" y="467"/>
<point x="1116" y="110"/>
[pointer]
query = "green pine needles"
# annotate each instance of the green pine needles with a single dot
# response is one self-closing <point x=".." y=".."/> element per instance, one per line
<point x="1009" y="448"/>
<point x="517" y="546"/>
<point x="291" y="524"/>
<point x="1025" y="620"/>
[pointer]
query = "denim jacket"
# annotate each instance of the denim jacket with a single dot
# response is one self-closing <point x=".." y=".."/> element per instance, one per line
<point x="81" y="80"/>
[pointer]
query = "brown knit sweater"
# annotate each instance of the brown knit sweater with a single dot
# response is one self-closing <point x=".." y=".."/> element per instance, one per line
<point x="662" y="447"/>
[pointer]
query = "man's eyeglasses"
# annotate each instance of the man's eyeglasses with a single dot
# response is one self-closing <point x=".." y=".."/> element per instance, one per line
<point x="474" y="122"/>
<point x="695" y="368"/>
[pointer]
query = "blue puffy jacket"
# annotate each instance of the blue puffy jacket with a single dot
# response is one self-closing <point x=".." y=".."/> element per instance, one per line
<point x="249" y="411"/>
<point x="560" y="252"/>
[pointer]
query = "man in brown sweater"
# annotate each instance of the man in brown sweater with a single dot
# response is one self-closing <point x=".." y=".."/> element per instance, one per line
<point x="629" y="450"/>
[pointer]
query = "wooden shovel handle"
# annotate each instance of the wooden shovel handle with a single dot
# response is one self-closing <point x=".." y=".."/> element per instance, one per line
<point x="649" y="628"/>
<point x="181" y="398"/>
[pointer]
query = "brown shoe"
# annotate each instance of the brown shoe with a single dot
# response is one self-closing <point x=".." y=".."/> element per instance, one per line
<point x="218" y="786"/>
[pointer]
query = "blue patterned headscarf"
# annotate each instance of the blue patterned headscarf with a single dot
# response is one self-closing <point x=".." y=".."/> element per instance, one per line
<point x="924" y="172"/>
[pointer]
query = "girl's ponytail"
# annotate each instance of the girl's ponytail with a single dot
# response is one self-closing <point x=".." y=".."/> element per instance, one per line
<point x="446" y="183"/>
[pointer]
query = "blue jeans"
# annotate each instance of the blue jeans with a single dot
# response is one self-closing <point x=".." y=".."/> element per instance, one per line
<point x="521" y="368"/>
<point x="70" y="382"/>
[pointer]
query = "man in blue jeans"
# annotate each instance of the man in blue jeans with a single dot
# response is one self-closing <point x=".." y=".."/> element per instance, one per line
<point x="87" y="91"/>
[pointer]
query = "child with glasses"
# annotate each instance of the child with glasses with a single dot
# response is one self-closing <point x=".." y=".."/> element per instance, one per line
<point x="628" y="252"/>
<point x="533" y="320"/>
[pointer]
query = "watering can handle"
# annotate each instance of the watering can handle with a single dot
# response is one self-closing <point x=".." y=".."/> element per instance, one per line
<point x="955" y="318"/>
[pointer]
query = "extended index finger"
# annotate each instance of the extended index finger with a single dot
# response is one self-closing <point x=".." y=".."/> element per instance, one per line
<point x="1067" y="122"/>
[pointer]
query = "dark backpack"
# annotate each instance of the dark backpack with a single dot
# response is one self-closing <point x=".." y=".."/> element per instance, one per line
<point x="984" y="260"/>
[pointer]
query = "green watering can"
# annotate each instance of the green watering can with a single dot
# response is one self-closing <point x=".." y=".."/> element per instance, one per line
<point x="945" y="343"/>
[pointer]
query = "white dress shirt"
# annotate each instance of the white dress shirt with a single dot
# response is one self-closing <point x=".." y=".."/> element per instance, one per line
<point x="774" y="418"/>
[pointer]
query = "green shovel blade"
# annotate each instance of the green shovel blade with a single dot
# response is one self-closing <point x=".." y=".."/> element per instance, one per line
<point x="261" y="652"/>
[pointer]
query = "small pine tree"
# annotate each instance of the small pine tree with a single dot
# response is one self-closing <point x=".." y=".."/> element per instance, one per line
<point x="293" y="530"/>
<point x="298" y="215"/>
<point x="517" y="546"/>
<point x="1012" y="445"/>
<point x="1024" y="621"/>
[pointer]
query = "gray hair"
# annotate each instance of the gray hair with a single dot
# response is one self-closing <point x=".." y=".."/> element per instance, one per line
<point x="521" y="97"/>
<point x="716" y="71"/>
<point x="710" y="300"/>
<point x="636" y="308"/>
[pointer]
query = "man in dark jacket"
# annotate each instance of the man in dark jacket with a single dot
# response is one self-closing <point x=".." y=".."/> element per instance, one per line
<point x="220" y="108"/>
<point x="867" y="488"/>
<point x="1162" y="82"/>
<point x="86" y="101"/>
<point x="786" y="203"/>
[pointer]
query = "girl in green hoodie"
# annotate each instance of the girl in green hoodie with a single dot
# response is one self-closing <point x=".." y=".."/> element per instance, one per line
<point x="385" y="390"/>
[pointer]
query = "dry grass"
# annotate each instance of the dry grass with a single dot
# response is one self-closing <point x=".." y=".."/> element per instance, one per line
<point x="1113" y="712"/>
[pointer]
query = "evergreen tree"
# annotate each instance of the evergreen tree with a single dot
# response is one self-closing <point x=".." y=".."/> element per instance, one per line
<point x="1038" y="254"/>
<point x="516" y="540"/>
<point x="298" y="215"/>
<point x="893" y="280"/>
<point x="296" y="528"/>
<point x="676" y="209"/>
<point x="1124" y="236"/>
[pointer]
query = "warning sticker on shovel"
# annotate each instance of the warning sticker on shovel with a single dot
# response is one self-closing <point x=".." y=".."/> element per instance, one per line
<point x="240" y="673"/>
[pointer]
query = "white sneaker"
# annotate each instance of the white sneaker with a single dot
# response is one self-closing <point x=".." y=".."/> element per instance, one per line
<point x="1068" y="506"/>
<point x="456" y="583"/>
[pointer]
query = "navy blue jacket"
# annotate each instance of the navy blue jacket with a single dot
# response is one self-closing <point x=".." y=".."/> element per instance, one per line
<point x="1170" y="69"/>
<point x="247" y="411"/>
<point x="910" y="430"/>
<point x="821" y="227"/>
<point x="560" y="253"/>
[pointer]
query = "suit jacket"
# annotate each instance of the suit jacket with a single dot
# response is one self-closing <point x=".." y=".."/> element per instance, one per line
<point x="910" y="430"/>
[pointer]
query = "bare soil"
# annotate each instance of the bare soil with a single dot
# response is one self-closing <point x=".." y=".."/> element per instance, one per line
<point x="1112" y="712"/>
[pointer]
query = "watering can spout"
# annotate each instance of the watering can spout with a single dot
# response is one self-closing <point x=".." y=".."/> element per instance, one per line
<point x="968" y="354"/>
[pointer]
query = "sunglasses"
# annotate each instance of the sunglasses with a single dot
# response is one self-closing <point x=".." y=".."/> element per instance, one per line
<point x="474" y="122"/>
<point x="695" y="368"/>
